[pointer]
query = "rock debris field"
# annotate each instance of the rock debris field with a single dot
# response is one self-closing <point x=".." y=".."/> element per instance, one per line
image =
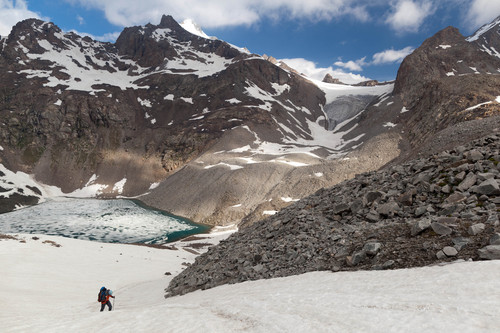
<point x="431" y="210"/>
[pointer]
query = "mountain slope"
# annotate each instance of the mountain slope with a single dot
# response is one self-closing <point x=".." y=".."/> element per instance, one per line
<point x="436" y="209"/>
<point x="164" y="105"/>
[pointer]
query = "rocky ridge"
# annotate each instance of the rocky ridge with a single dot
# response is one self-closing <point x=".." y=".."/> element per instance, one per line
<point x="436" y="209"/>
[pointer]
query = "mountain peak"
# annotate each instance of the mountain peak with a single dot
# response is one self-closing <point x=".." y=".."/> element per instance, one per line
<point x="167" y="21"/>
<point x="33" y="25"/>
<point x="484" y="29"/>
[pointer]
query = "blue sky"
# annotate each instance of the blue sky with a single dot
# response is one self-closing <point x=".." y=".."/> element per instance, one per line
<point x="350" y="39"/>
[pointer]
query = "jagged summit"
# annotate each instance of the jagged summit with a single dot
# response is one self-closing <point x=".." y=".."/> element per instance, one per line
<point x="167" y="21"/>
<point x="151" y="45"/>
<point x="485" y="29"/>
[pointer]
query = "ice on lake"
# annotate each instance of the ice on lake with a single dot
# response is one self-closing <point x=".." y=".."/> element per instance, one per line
<point x="110" y="221"/>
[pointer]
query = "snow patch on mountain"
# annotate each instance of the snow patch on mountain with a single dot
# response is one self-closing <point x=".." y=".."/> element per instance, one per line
<point x="79" y="61"/>
<point x="484" y="29"/>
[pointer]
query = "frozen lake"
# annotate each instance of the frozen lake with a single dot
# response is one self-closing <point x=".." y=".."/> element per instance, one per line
<point x="110" y="221"/>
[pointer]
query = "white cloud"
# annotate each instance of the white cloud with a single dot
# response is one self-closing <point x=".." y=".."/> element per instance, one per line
<point x="391" y="56"/>
<point x="408" y="15"/>
<point x="483" y="12"/>
<point x="381" y="58"/>
<point x="80" y="19"/>
<point x="351" y="65"/>
<point x="310" y="69"/>
<point x="218" y="13"/>
<point x="12" y="12"/>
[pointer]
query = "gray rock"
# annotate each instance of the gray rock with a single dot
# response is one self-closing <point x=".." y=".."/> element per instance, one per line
<point x="450" y="251"/>
<point x="388" y="209"/>
<point x="490" y="252"/>
<point x="258" y="268"/>
<point x="460" y="242"/>
<point x="370" y="197"/>
<point x="484" y="176"/>
<point x="373" y="217"/>
<point x="447" y="220"/>
<point x="440" y="255"/>
<point x="441" y="229"/>
<point x="488" y="187"/>
<point x="476" y="229"/>
<point x="406" y="198"/>
<point x="420" y="226"/>
<point x="495" y="239"/>
<point x="456" y="198"/>
<point x="356" y="206"/>
<point x="388" y="264"/>
<point x="468" y="182"/>
<point x="340" y="208"/>
<point x="372" y="248"/>
<point x="493" y="220"/>
<point x="419" y="211"/>
<point x="474" y="155"/>
<point x="460" y="176"/>
<point x="356" y="258"/>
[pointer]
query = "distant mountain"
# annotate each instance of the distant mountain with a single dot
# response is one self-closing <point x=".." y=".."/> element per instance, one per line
<point x="159" y="106"/>
<point x="209" y="131"/>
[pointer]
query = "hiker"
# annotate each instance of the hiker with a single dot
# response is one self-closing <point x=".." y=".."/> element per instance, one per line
<point x="103" y="297"/>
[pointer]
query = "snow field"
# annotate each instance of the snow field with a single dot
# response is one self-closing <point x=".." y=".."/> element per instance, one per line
<point x="54" y="289"/>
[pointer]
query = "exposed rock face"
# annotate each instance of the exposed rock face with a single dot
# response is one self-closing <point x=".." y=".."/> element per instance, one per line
<point x="329" y="79"/>
<point x="369" y="83"/>
<point x="139" y="109"/>
<point x="395" y="218"/>
<point x="441" y="83"/>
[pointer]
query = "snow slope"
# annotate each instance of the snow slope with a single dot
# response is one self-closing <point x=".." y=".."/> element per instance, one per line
<point x="54" y="289"/>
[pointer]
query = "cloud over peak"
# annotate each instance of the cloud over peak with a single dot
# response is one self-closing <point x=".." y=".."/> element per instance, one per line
<point x="391" y="56"/>
<point x="12" y="12"/>
<point x="408" y="15"/>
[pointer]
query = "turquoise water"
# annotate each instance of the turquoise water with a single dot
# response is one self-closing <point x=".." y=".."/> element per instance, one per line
<point x="110" y="221"/>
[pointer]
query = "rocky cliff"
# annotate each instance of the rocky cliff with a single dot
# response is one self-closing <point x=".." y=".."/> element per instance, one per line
<point x="206" y="130"/>
<point x="432" y="210"/>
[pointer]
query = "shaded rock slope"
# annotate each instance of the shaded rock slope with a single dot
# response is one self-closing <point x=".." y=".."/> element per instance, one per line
<point x="436" y="209"/>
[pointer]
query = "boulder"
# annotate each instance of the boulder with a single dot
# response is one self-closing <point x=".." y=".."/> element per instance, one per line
<point x="490" y="252"/>
<point x="495" y="239"/>
<point x="450" y="251"/>
<point x="441" y="229"/>
<point x="419" y="226"/>
<point x="488" y="187"/>
<point x="440" y="255"/>
<point x="474" y="155"/>
<point x="476" y="229"/>
<point x="460" y="242"/>
<point x="456" y="198"/>
<point x="370" y="197"/>
<point x="468" y="182"/>
<point x="388" y="209"/>
<point x="372" y="248"/>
